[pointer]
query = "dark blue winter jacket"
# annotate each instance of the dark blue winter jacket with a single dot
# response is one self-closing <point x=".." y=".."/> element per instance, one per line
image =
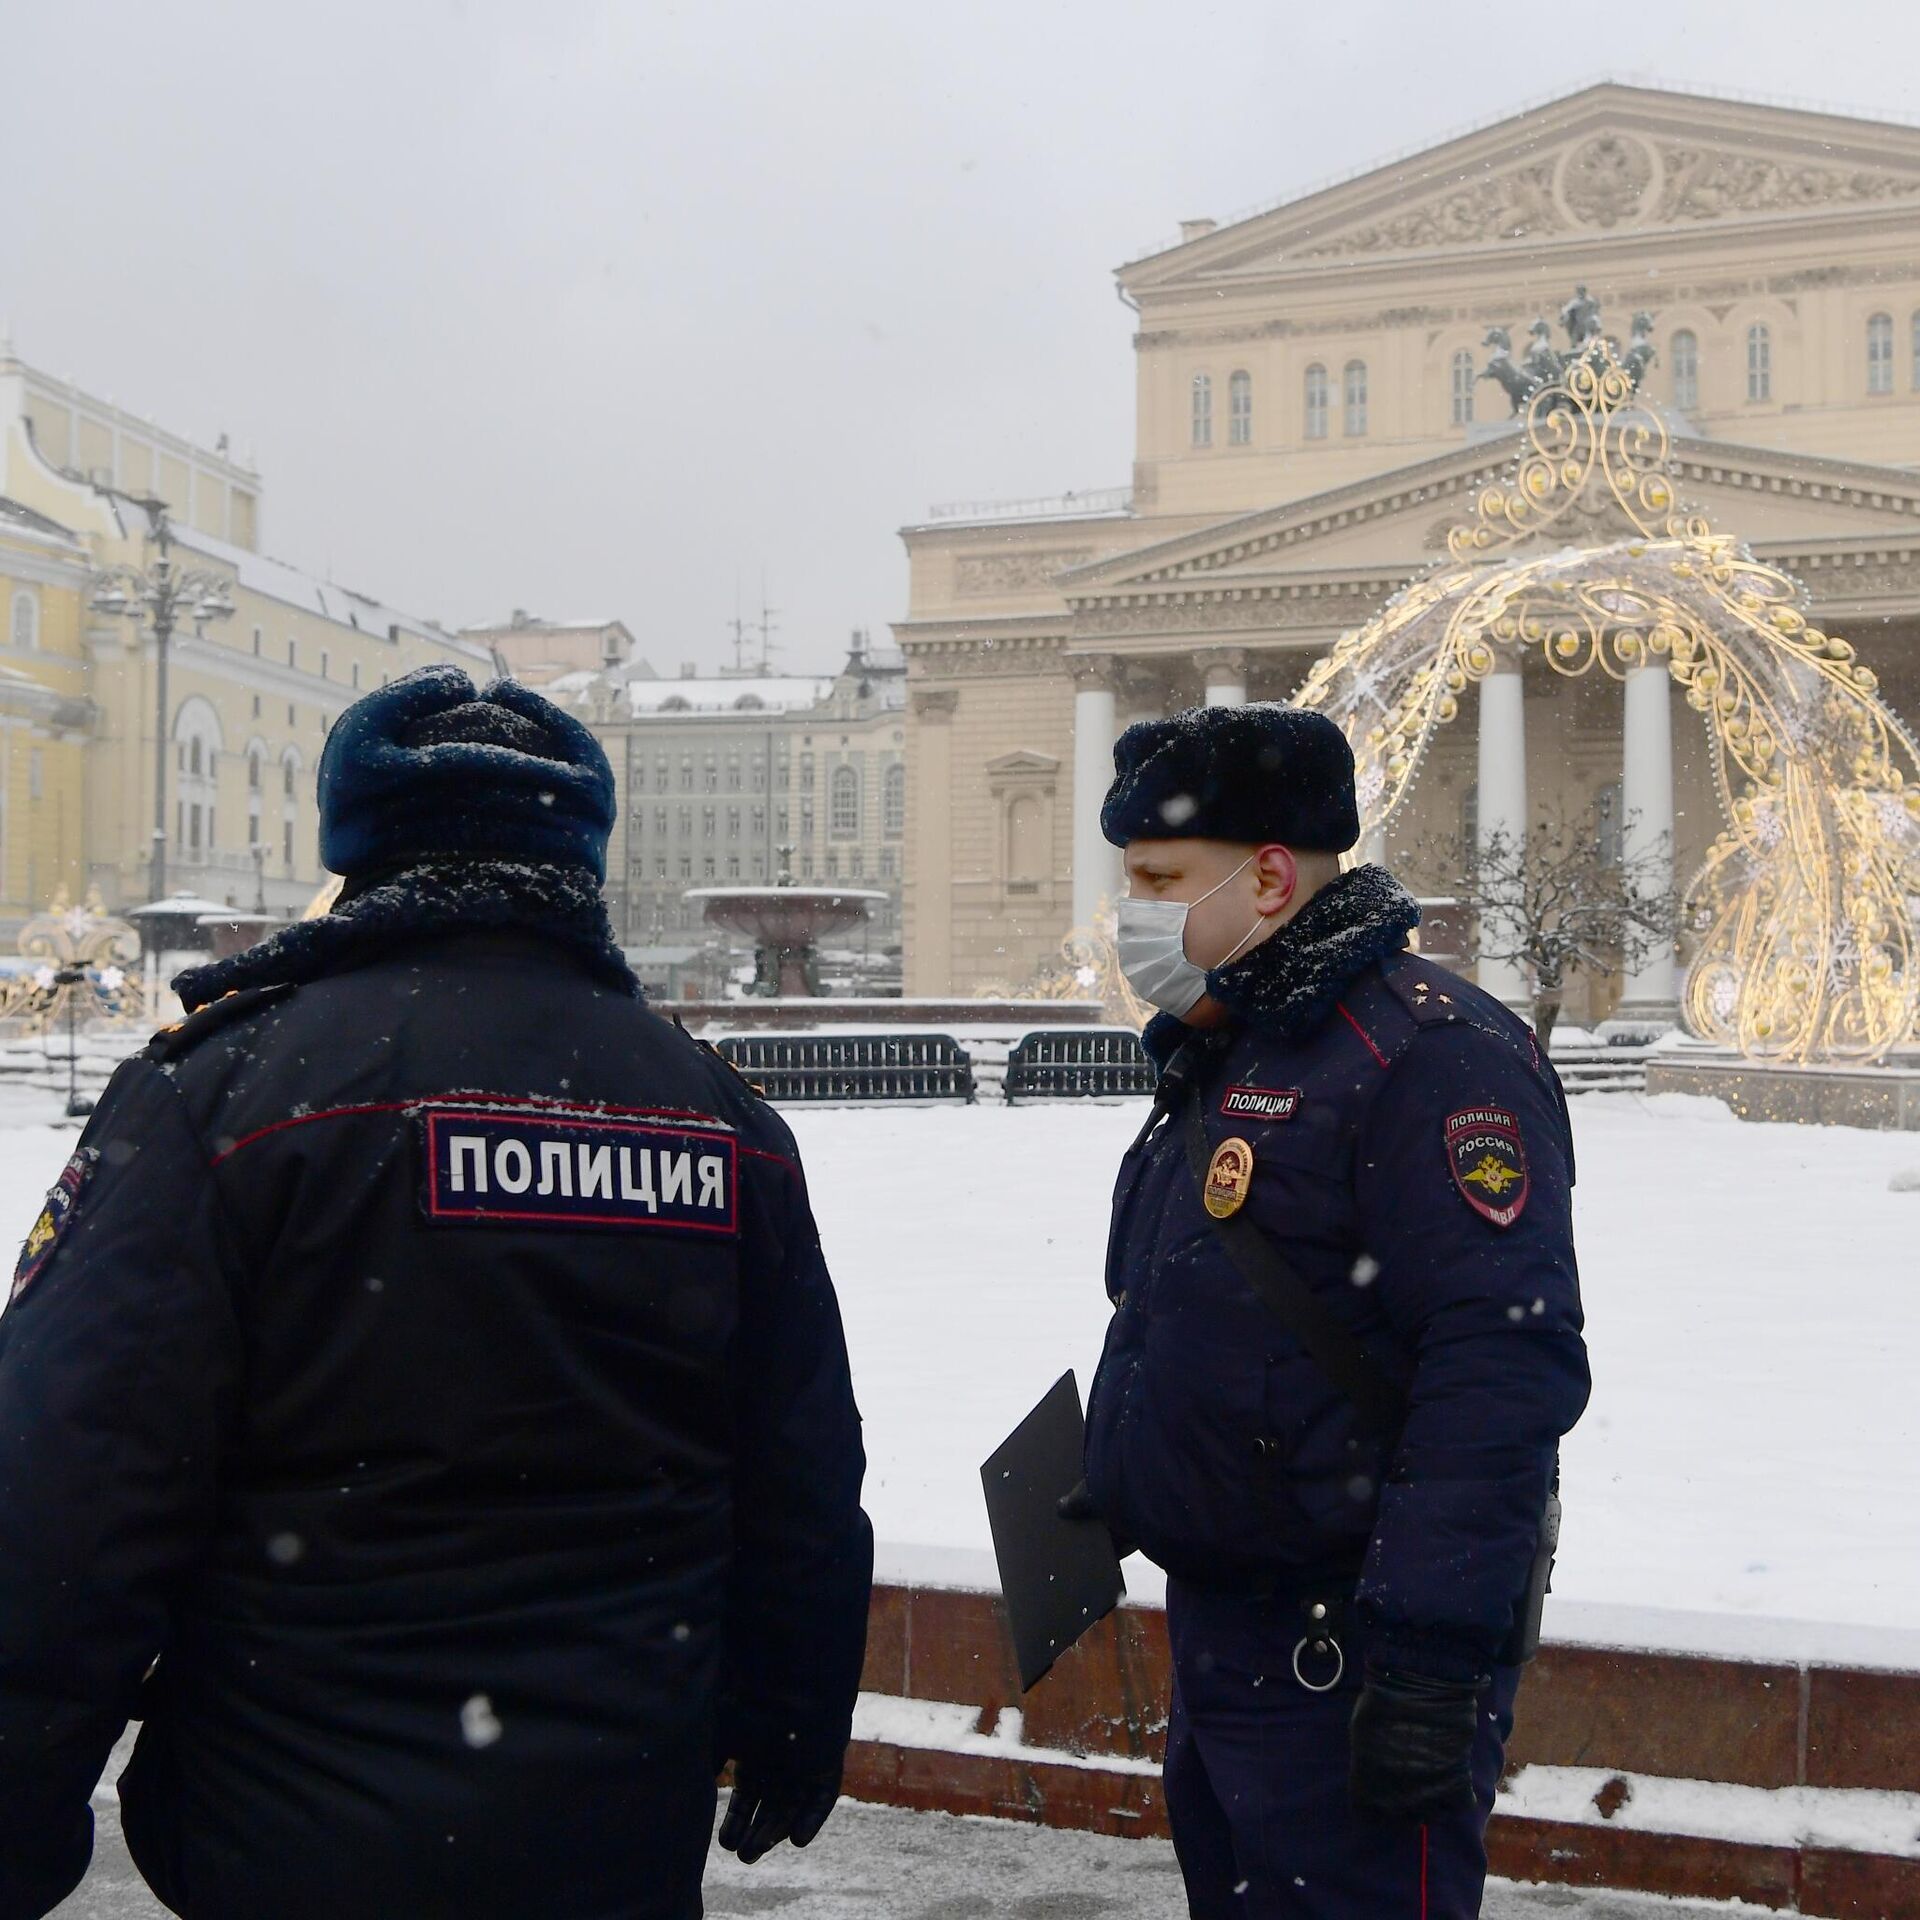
<point x="1411" y="1157"/>
<point x="431" y="1364"/>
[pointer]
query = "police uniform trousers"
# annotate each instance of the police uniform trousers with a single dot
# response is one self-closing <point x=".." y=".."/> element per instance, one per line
<point x="1256" y="1781"/>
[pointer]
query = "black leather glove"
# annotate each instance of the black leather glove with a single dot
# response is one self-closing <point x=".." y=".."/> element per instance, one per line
<point x="1411" y="1746"/>
<point x="767" y="1807"/>
<point x="1078" y="1505"/>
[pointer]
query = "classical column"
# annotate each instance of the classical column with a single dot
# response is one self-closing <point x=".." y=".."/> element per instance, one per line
<point x="929" y="877"/>
<point x="1503" y="805"/>
<point x="1646" y="807"/>
<point x="1224" y="669"/>
<point x="1096" y="866"/>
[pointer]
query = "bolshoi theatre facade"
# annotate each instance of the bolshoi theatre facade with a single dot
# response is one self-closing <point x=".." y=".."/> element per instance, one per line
<point x="1315" y="418"/>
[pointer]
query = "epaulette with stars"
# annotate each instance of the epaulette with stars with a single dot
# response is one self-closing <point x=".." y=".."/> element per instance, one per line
<point x="170" y="1043"/>
<point x="1425" y="994"/>
<point x="707" y="1047"/>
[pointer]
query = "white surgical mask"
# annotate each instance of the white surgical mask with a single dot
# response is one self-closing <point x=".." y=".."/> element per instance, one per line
<point x="1150" y="937"/>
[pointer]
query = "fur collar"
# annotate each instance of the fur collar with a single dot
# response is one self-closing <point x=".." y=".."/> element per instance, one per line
<point x="562" y="903"/>
<point x="1288" y="984"/>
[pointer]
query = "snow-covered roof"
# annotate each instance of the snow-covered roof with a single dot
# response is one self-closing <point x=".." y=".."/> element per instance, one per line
<point x="782" y="693"/>
<point x="24" y="523"/>
<point x="276" y="580"/>
<point x="533" y="624"/>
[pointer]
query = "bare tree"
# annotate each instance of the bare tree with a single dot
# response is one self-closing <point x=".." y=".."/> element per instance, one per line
<point x="1556" y="903"/>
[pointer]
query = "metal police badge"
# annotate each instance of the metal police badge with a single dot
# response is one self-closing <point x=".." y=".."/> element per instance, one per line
<point x="56" y="1215"/>
<point x="1229" y="1178"/>
<point x="1489" y="1163"/>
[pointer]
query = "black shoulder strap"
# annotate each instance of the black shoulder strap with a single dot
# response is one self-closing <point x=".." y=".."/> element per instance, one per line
<point x="1299" y="1309"/>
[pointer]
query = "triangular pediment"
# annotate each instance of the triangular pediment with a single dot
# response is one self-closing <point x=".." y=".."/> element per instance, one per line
<point x="1398" y="521"/>
<point x="1023" y="760"/>
<point x="1606" y="162"/>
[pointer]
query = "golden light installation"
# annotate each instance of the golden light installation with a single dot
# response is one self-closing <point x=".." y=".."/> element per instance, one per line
<point x="1806" y="948"/>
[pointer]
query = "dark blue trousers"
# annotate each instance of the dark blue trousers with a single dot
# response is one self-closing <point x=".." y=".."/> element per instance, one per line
<point x="1256" y="1782"/>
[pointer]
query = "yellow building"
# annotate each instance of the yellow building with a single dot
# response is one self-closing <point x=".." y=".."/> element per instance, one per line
<point x="250" y="698"/>
<point x="1311" y="416"/>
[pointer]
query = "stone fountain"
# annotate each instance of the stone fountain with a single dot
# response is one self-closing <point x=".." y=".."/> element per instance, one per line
<point x="786" y="923"/>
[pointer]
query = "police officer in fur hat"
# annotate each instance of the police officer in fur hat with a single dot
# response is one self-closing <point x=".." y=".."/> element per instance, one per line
<point x="1346" y="1338"/>
<point x="423" y="1403"/>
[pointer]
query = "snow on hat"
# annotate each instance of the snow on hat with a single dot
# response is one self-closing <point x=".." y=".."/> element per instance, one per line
<point x="1250" y="774"/>
<point x="429" y="767"/>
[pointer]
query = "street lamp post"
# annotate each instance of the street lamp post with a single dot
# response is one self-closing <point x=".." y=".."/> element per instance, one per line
<point x="73" y="978"/>
<point x="167" y="593"/>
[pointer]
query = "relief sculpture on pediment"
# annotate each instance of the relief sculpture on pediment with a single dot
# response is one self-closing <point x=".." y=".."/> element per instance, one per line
<point x="1512" y="206"/>
<point x="1604" y="180"/>
<point x="1704" y="185"/>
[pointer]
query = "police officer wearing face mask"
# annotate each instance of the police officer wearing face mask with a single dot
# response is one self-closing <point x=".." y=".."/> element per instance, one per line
<point x="1344" y="1465"/>
<point x="423" y="1402"/>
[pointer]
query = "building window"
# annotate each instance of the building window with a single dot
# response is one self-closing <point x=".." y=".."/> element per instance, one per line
<point x="759" y="822"/>
<point x="780" y="817"/>
<point x="293" y="653"/>
<point x="661" y="770"/>
<point x="1202" y="405"/>
<point x="686" y="773"/>
<point x="806" y="819"/>
<point x="1353" y="394"/>
<point x="686" y="820"/>
<point x="325" y="661"/>
<point x="733" y="823"/>
<point x="706" y="867"/>
<point x="843" y="804"/>
<point x="356" y="675"/>
<point x="1608" y="825"/>
<point x="889" y="863"/>
<point x="1880" y="353"/>
<point x="893" y="800"/>
<point x="1686" y="369"/>
<point x="256" y="640"/>
<point x="686" y="866"/>
<point x="1316" y="402"/>
<point x="286" y="844"/>
<point x="660" y="867"/>
<point x="26" y="620"/>
<point x="733" y="866"/>
<point x="833" y="865"/>
<point x="1240" y="410"/>
<point x="1759" y="363"/>
<point x="707" y="819"/>
<point x="733" y="773"/>
<point x="1462" y="381"/>
<point x="857" y="864"/>
<point x="1025" y="855"/>
<point x="286" y="780"/>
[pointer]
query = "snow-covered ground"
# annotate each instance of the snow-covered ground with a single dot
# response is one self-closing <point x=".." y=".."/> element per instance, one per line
<point x="877" y="1863"/>
<point x="1752" y="1453"/>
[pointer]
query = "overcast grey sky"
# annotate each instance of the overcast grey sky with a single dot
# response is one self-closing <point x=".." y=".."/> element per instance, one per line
<point x="603" y="308"/>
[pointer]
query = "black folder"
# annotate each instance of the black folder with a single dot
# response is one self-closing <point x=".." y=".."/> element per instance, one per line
<point x="1058" y="1576"/>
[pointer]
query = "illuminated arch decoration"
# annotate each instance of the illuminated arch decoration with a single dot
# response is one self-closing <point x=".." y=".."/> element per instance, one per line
<point x="1806" y="940"/>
